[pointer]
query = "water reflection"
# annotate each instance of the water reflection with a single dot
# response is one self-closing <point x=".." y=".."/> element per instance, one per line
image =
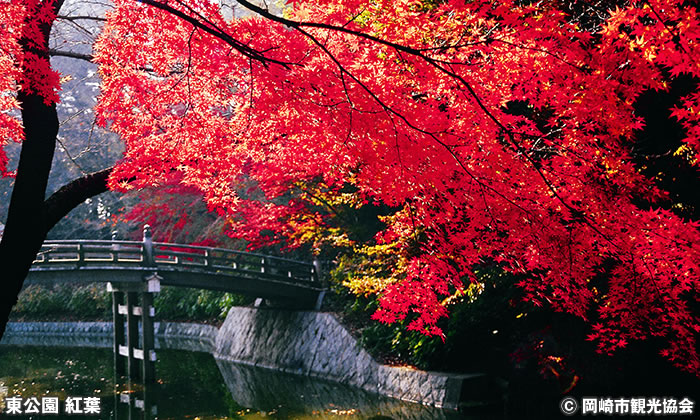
<point x="289" y="396"/>
<point x="190" y="384"/>
<point x="135" y="401"/>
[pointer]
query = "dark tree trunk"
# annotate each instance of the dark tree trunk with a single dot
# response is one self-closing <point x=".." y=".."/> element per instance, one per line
<point x="30" y="216"/>
<point x="25" y="230"/>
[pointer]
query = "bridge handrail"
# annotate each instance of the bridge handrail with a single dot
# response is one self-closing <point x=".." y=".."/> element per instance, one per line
<point x="232" y="251"/>
<point x="82" y="251"/>
<point x="96" y="241"/>
<point x="173" y="245"/>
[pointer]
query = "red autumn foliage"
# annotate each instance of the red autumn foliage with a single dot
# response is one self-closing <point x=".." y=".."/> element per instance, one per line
<point x="503" y="132"/>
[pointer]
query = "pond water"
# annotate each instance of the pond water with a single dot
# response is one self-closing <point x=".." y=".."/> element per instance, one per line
<point x="191" y="385"/>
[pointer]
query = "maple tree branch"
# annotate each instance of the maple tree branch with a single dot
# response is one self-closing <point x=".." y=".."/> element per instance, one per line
<point x="57" y="6"/>
<point x="185" y="74"/>
<point x="58" y="53"/>
<point x="202" y="18"/>
<point x="236" y="44"/>
<point x="542" y="50"/>
<point x="296" y="25"/>
<point x="413" y="51"/>
<point x="486" y="39"/>
<point x="68" y="154"/>
<point x="321" y="200"/>
<point x="69" y="196"/>
<point x="390" y="110"/>
<point x="675" y="36"/>
<point x="73" y="18"/>
<point x="576" y="213"/>
<point x="399" y="47"/>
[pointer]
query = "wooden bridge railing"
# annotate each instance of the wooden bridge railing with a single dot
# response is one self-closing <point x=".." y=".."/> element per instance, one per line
<point x="103" y="253"/>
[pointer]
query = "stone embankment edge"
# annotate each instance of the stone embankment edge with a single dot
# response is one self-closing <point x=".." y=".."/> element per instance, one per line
<point x="171" y="335"/>
<point x="317" y="344"/>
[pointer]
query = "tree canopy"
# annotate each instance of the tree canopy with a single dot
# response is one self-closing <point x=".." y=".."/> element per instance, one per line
<point x="496" y="132"/>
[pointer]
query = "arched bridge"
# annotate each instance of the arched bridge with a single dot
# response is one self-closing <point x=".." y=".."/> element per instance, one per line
<point x="115" y="261"/>
<point x="135" y="270"/>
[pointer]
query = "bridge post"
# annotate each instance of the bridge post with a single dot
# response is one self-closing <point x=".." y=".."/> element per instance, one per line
<point x="129" y="350"/>
<point x="148" y="372"/>
<point x="151" y="286"/>
<point x="132" y="335"/>
<point x="135" y="402"/>
<point x="316" y="276"/>
<point x="148" y="260"/>
<point x="119" y="362"/>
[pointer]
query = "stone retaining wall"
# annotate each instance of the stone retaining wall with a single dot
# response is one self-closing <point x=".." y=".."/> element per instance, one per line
<point x="171" y="335"/>
<point x="181" y="336"/>
<point x="67" y="334"/>
<point x="316" y="344"/>
<point x="61" y="328"/>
